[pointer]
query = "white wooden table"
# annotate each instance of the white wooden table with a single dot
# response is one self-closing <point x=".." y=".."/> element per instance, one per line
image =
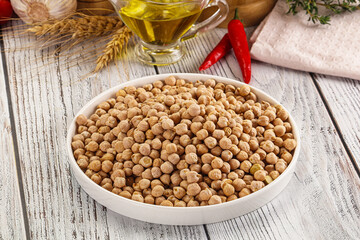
<point x="40" y="199"/>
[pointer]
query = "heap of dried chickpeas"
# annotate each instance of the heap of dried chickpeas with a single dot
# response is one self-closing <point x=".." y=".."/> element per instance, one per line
<point x="183" y="144"/>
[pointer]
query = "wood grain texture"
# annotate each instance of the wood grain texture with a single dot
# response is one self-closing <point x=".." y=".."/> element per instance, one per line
<point x="322" y="200"/>
<point x="343" y="98"/>
<point x="11" y="218"/>
<point x="47" y="95"/>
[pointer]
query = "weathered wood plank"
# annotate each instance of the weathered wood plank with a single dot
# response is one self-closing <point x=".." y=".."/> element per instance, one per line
<point x="11" y="215"/>
<point x="46" y="99"/>
<point x="322" y="200"/>
<point x="343" y="97"/>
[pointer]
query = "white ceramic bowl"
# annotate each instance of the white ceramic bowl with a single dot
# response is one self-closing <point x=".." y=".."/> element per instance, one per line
<point x="176" y="215"/>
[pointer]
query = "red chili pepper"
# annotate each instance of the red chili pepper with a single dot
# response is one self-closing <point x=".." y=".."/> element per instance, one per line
<point x="5" y="11"/>
<point x="239" y="43"/>
<point x="223" y="47"/>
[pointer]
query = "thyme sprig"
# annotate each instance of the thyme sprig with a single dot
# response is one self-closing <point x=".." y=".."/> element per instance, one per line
<point x="311" y="8"/>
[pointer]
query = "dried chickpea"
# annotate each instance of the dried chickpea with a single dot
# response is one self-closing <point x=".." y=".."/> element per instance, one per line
<point x="290" y="144"/>
<point x="215" y="199"/>
<point x="193" y="189"/>
<point x="225" y="143"/>
<point x="167" y="167"/>
<point x="244" y="192"/>
<point x="157" y="191"/>
<point x="215" y="174"/>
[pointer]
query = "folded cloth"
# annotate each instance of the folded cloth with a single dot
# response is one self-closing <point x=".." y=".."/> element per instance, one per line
<point x="292" y="41"/>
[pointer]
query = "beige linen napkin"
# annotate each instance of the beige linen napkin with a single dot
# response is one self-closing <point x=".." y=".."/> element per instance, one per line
<point x="293" y="42"/>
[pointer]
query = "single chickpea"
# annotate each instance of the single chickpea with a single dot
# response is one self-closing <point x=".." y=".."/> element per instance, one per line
<point x="157" y="191"/>
<point x="223" y="122"/>
<point x="228" y="189"/>
<point x="147" y="174"/>
<point x="137" y="197"/>
<point x="282" y="114"/>
<point x="215" y="174"/>
<point x="286" y="156"/>
<point x="290" y="144"/>
<point x="156" y="172"/>
<point x="217" y="163"/>
<point x="81" y="119"/>
<point x="92" y="146"/>
<point x="209" y="126"/>
<point x="254" y="158"/>
<point x="260" y="175"/>
<point x="170" y="80"/>
<point x="165" y="179"/>
<point x="210" y="142"/>
<point x="192" y="177"/>
<point x="174" y="158"/>
<point x="119" y="182"/>
<point x="179" y="204"/>
<point x="194" y="110"/>
<point x="179" y="192"/>
<point x="263" y="121"/>
<point x="83" y="163"/>
<point x="279" y="166"/>
<point x="247" y="126"/>
<point x="271" y="158"/>
<point x="218" y="134"/>
<point x="268" y="146"/>
<point x="107" y="166"/>
<point x="238" y="184"/>
<point x="279" y="130"/>
<point x="167" y="124"/>
<point x="274" y="174"/>
<point x="145" y="149"/>
<point x="288" y="127"/>
<point x="166" y="203"/>
<point x="216" y="151"/>
<point x="244" y="90"/>
<point x="95" y="165"/>
<point x="215" y="199"/>
<point x="191" y="158"/>
<point x="256" y="185"/>
<point x="225" y="143"/>
<point x="146" y="162"/>
<point x="193" y="203"/>
<point x="202" y="134"/>
<point x="181" y="129"/>
<point x="137" y="169"/>
<point x="206" y="168"/>
<point x="234" y="164"/>
<point x="205" y="194"/>
<point x="149" y="199"/>
<point x="96" y="178"/>
<point x="171" y="148"/>
<point x="244" y="192"/>
<point x="193" y="189"/>
<point x="226" y="155"/>
<point x="167" y="167"/>
<point x="245" y="166"/>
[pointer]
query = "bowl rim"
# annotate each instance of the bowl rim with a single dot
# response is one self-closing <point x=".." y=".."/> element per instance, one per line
<point x="152" y="78"/>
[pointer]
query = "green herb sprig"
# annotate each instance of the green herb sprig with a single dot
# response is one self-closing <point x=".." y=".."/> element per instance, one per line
<point x="311" y="8"/>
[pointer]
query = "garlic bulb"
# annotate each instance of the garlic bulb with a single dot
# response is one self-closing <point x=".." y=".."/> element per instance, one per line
<point x="34" y="11"/>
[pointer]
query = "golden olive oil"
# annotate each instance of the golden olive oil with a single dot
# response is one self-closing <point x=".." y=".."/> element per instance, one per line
<point x="160" y="22"/>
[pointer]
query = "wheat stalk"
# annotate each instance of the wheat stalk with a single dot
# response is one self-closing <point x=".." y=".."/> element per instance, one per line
<point x="78" y="26"/>
<point x="113" y="48"/>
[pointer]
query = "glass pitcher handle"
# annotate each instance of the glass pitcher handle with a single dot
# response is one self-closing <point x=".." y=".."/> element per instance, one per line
<point x="212" y="21"/>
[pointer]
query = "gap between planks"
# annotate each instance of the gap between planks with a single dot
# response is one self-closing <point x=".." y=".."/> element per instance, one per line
<point x="336" y="125"/>
<point x="15" y="140"/>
